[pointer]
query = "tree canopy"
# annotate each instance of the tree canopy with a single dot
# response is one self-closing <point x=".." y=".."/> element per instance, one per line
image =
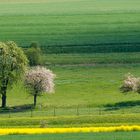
<point x="13" y="62"/>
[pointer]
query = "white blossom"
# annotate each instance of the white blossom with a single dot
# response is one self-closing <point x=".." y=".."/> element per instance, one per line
<point x="131" y="83"/>
<point x="40" y="80"/>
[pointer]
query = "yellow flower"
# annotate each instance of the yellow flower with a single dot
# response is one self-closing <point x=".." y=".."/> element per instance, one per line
<point x="6" y="131"/>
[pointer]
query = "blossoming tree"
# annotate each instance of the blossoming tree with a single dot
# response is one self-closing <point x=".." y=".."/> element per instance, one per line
<point x="13" y="62"/>
<point x="39" y="80"/>
<point x="131" y="83"/>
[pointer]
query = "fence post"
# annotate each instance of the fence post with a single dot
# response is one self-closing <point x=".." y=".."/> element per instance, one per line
<point x="88" y="110"/>
<point x="31" y="112"/>
<point x="77" y="110"/>
<point x="99" y="111"/>
<point x="123" y="111"/>
<point x="54" y="112"/>
<point x="9" y="113"/>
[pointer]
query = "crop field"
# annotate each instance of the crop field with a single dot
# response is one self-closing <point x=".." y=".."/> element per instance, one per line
<point x="72" y="26"/>
<point x="87" y="59"/>
<point x="79" y="136"/>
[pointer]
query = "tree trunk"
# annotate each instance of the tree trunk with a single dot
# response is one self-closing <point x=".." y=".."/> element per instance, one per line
<point x="3" y="92"/>
<point x="3" y="101"/>
<point x="35" y="97"/>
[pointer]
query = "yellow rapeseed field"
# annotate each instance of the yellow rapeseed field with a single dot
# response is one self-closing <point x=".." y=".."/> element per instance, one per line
<point x="6" y="131"/>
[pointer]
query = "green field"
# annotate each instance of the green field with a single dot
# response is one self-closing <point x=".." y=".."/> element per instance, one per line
<point x="102" y="39"/>
<point x="73" y="26"/>
<point x="90" y="45"/>
<point x="93" y="89"/>
<point x="85" y="95"/>
<point x="79" y="136"/>
<point x="18" y="121"/>
<point x="87" y="59"/>
<point x="83" y="85"/>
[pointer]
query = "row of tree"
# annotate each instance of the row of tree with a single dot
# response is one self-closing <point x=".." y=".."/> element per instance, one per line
<point x="14" y="64"/>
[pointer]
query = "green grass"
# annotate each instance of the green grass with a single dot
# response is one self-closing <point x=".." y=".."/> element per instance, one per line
<point x="71" y="121"/>
<point x="91" y="59"/>
<point x="92" y="86"/>
<point x="78" y="136"/>
<point x="93" y="89"/>
<point x="63" y="26"/>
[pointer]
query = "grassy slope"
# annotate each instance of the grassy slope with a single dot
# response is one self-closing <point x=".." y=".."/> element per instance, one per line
<point x="79" y="136"/>
<point x="75" y="25"/>
<point x="94" y="86"/>
<point x="83" y="86"/>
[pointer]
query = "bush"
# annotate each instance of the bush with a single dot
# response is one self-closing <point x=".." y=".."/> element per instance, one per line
<point x="34" y="55"/>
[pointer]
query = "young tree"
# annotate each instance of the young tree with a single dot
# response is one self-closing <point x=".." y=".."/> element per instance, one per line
<point x="39" y="80"/>
<point x="34" y="54"/>
<point x="12" y="63"/>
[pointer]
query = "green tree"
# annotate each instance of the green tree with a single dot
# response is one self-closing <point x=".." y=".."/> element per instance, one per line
<point x="34" y="54"/>
<point x="13" y="62"/>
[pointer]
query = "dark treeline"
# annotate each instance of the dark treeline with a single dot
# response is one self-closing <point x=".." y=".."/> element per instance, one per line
<point x="91" y="48"/>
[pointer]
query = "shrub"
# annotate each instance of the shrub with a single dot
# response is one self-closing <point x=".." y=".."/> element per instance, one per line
<point x="34" y="54"/>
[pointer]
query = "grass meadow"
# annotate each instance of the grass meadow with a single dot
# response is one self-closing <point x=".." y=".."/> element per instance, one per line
<point x="93" y="89"/>
<point x="81" y="85"/>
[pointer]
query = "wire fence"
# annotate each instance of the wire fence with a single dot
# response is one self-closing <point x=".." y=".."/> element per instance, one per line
<point x="74" y="111"/>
